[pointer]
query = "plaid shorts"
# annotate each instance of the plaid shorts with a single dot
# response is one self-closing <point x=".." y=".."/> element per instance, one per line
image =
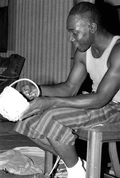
<point x="61" y="124"/>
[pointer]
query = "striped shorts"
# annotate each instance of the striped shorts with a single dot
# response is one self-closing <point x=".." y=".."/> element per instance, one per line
<point x="61" y="124"/>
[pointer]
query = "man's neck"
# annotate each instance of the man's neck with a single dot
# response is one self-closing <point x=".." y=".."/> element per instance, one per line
<point x="101" y="43"/>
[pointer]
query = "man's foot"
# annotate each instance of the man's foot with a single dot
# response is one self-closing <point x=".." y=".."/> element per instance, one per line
<point x="78" y="170"/>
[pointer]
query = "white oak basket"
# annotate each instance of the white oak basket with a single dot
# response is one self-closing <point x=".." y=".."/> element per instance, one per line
<point x="12" y="103"/>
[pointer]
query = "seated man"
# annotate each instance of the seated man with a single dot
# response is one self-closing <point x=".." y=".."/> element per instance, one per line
<point x="53" y="118"/>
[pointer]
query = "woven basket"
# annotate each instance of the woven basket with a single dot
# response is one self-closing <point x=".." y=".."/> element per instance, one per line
<point x="12" y="103"/>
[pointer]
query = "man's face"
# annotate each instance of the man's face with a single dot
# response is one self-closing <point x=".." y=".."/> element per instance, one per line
<point x="79" y="32"/>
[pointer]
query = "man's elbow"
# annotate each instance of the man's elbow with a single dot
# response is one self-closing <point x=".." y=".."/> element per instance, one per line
<point x="100" y="103"/>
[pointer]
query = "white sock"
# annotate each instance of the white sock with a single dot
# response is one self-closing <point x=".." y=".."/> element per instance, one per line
<point x="77" y="171"/>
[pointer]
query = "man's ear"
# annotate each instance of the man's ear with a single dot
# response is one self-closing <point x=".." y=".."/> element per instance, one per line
<point x="93" y="27"/>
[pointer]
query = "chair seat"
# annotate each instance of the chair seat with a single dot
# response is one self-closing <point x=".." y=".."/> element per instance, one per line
<point x="110" y="132"/>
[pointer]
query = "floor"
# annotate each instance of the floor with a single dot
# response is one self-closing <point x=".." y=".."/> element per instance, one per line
<point x="9" y="140"/>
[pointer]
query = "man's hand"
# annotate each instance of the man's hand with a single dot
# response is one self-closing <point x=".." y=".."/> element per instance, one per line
<point x="38" y="105"/>
<point x="29" y="91"/>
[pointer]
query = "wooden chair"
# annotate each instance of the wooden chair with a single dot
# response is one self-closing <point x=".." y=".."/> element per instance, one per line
<point x="12" y="67"/>
<point x="95" y="138"/>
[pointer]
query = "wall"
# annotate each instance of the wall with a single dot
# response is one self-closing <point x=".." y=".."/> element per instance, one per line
<point x="37" y="31"/>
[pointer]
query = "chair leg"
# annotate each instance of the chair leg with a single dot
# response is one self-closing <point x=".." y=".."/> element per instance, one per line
<point x="114" y="158"/>
<point x="48" y="163"/>
<point x="94" y="149"/>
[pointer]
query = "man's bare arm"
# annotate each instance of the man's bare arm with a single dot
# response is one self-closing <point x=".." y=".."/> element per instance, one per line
<point x="108" y="87"/>
<point x="74" y="81"/>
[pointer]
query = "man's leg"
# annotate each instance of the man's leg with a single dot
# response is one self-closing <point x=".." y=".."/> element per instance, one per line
<point x="44" y="144"/>
<point x="67" y="153"/>
<point x="54" y="127"/>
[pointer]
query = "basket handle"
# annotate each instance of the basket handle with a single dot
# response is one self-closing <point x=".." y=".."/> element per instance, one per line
<point x="26" y="79"/>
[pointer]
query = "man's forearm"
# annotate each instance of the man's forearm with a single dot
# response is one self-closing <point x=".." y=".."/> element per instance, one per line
<point x="58" y="90"/>
<point x="86" y="101"/>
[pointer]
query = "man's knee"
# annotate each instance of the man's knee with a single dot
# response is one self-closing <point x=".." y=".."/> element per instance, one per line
<point x="41" y="140"/>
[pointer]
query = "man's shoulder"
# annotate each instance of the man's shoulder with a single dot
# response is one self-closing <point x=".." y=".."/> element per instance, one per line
<point x="80" y="56"/>
<point x="116" y="47"/>
<point x="115" y="53"/>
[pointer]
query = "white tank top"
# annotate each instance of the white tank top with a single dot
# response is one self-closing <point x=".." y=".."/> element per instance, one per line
<point x="94" y="66"/>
